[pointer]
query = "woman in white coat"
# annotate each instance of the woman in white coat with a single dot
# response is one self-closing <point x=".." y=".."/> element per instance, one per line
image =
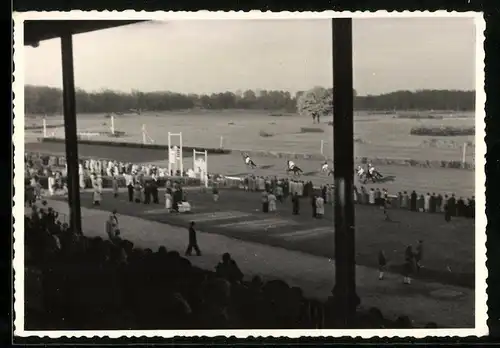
<point x="320" y="207"/>
<point x="52" y="184"/>
<point x="427" y="202"/>
<point x="168" y="201"/>
<point x="272" y="202"/>
<point x="371" y="196"/>
<point x="97" y="193"/>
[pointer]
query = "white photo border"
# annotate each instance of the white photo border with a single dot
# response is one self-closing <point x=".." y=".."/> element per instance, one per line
<point x="481" y="271"/>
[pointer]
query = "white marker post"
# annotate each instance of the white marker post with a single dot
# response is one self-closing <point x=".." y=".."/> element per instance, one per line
<point x="221" y="144"/>
<point x="112" y="125"/>
<point x="144" y="140"/>
<point x="44" y="122"/>
<point x="321" y="147"/>
<point x="176" y="156"/>
<point x="464" y="152"/>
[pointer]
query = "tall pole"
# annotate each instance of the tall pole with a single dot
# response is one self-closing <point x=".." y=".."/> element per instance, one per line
<point x="70" y="135"/>
<point x="112" y="125"/>
<point x="344" y="292"/>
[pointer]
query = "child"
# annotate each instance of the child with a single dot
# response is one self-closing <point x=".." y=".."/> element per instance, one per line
<point x="382" y="263"/>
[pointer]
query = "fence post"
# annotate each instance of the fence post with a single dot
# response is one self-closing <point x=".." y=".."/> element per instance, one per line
<point x="464" y="151"/>
<point x="44" y="127"/>
<point x="112" y="125"/>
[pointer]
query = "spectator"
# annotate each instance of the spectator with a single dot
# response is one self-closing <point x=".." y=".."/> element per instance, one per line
<point x="272" y="202"/>
<point x="229" y="270"/>
<point x="193" y="243"/>
<point x="382" y="263"/>
<point x="320" y="207"/>
<point x="295" y="204"/>
<point x="419" y="254"/>
<point x="409" y="265"/>
<point x="314" y="206"/>
<point x="413" y="201"/>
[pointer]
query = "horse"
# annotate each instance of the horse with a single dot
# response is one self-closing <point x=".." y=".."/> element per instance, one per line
<point x="325" y="168"/>
<point x="365" y="176"/>
<point x="292" y="167"/>
<point x="249" y="161"/>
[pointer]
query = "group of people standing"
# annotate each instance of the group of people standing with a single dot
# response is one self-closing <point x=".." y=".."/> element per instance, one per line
<point x="412" y="262"/>
<point x="429" y="203"/>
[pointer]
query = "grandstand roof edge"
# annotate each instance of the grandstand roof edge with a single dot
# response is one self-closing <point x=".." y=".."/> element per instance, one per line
<point x="40" y="30"/>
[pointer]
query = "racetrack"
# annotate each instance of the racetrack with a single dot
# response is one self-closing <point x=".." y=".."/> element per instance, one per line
<point x="422" y="180"/>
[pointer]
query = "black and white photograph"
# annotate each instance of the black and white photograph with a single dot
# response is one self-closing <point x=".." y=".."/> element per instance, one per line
<point x="249" y="174"/>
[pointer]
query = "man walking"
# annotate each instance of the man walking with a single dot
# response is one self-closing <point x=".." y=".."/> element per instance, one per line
<point x="193" y="244"/>
<point x="419" y="254"/>
<point x="129" y="181"/>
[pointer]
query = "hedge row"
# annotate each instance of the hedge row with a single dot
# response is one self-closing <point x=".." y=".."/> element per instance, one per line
<point x="212" y="151"/>
<point x="444" y="131"/>
<point x="419" y="117"/>
<point x="108" y="183"/>
<point x="35" y="127"/>
<point x="418" y="163"/>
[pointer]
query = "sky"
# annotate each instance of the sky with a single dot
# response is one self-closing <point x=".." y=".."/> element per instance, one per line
<point x="210" y="56"/>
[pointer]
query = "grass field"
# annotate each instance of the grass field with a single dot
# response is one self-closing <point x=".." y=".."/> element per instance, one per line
<point x="380" y="135"/>
<point x="448" y="249"/>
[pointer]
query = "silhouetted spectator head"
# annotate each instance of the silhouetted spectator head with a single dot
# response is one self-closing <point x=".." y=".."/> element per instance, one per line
<point x="191" y="224"/>
<point x="226" y="258"/>
<point x="162" y="250"/>
<point x="256" y="282"/>
<point x="403" y="322"/>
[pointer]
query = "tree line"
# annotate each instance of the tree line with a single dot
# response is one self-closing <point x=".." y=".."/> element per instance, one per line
<point x="48" y="100"/>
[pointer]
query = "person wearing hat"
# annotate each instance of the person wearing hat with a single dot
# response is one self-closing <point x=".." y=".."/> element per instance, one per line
<point x="112" y="228"/>
<point x="193" y="243"/>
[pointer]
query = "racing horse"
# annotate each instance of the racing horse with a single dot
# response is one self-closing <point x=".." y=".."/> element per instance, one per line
<point x="292" y="167"/>
<point x="364" y="175"/>
<point x="248" y="161"/>
<point x="325" y="168"/>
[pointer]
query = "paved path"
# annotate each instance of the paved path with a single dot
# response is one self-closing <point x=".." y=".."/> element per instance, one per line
<point x="423" y="301"/>
<point x="400" y="178"/>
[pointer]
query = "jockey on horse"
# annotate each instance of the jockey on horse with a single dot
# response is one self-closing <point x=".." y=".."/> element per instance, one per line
<point x="364" y="175"/>
<point x="373" y="172"/>
<point x="292" y="167"/>
<point x="325" y="168"/>
<point x="249" y="161"/>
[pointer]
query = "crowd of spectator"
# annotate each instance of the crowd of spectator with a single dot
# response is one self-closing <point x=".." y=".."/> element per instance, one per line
<point x="78" y="282"/>
<point x="448" y="204"/>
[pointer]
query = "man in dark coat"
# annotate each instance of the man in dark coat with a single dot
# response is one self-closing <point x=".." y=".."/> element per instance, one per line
<point x="461" y="211"/>
<point x="193" y="243"/>
<point x="452" y="205"/>
<point x="130" y="187"/>
<point x="472" y="207"/>
<point x="323" y="193"/>
<point x="154" y="191"/>
<point x="447" y="215"/>
<point x="413" y="201"/>
<point x="147" y="191"/>
<point x="432" y="205"/>
<point x="313" y="205"/>
<point x="295" y="204"/>
<point x="419" y="254"/>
